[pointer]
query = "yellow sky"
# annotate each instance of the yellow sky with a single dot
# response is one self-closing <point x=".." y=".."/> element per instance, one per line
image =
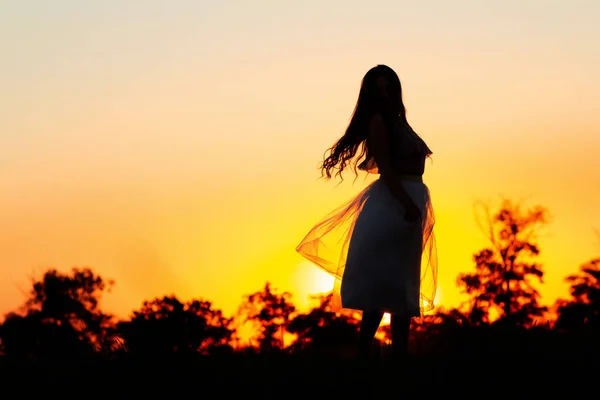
<point x="172" y="146"/>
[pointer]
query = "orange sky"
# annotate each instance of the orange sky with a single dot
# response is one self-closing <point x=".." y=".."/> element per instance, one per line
<point x="174" y="148"/>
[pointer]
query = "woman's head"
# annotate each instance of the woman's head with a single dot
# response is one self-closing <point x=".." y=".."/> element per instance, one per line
<point x="380" y="92"/>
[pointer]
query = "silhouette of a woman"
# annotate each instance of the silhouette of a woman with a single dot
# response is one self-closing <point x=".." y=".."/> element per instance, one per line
<point x="380" y="245"/>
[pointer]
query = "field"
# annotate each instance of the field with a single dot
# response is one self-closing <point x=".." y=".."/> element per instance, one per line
<point x="282" y="376"/>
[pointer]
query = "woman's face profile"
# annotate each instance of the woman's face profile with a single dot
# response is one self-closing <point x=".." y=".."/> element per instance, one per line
<point x="382" y="87"/>
<point x="385" y="92"/>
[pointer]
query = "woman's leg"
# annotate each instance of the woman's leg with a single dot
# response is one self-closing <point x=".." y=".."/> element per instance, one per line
<point x="400" y="329"/>
<point x="368" y="327"/>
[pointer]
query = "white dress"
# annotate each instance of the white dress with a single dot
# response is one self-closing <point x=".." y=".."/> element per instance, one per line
<point x="381" y="262"/>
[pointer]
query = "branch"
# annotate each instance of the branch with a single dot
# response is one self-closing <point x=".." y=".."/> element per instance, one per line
<point x="488" y="223"/>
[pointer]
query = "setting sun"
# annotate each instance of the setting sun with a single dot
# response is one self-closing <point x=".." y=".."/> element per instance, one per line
<point x="438" y="297"/>
<point x="310" y="279"/>
<point x="322" y="282"/>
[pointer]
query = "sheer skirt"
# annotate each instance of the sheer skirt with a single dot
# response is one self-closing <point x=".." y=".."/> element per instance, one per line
<point x="380" y="261"/>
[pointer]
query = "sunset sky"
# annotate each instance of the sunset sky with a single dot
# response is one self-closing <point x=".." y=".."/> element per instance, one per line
<point x="173" y="145"/>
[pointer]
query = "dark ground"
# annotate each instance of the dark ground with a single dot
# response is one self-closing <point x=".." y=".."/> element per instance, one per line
<point x="281" y="377"/>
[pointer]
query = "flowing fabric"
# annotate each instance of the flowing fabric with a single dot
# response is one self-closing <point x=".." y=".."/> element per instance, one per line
<point x="380" y="261"/>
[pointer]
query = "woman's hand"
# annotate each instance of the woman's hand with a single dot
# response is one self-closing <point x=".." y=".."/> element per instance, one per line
<point x="412" y="213"/>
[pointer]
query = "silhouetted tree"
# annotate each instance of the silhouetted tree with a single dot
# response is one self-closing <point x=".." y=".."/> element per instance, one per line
<point x="166" y="325"/>
<point x="271" y="313"/>
<point x="502" y="282"/>
<point x="61" y="318"/>
<point x="583" y="309"/>
<point x="324" y="330"/>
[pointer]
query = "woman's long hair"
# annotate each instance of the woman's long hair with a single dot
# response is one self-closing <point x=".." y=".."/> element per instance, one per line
<point x="369" y="102"/>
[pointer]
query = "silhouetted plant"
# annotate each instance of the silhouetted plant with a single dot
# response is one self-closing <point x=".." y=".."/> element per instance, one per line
<point x="501" y="286"/>
<point x="323" y="330"/>
<point x="583" y="309"/>
<point x="271" y="313"/>
<point x="61" y="318"/>
<point x="166" y="325"/>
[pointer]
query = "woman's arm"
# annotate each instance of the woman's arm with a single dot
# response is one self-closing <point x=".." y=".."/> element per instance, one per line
<point x="379" y="147"/>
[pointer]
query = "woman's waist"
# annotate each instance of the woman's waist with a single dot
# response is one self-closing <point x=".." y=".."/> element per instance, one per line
<point x="407" y="177"/>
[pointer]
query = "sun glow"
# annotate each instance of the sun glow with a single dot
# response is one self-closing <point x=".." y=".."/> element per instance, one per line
<point x="438" y="297"/>
<point x="321" y="281"/>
